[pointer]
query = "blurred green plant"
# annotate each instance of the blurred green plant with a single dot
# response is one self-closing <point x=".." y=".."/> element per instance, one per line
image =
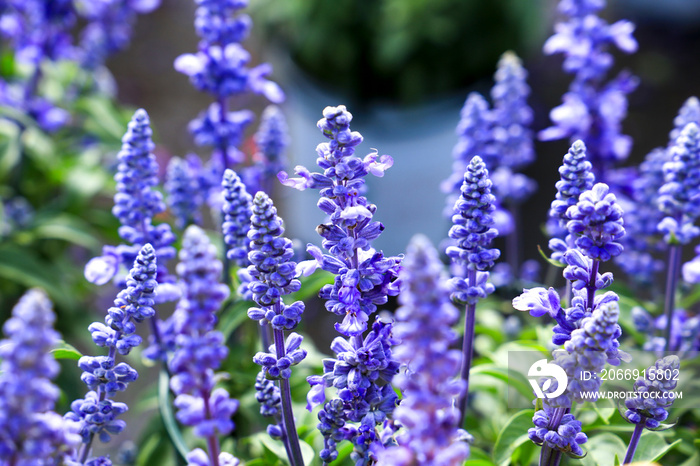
<point x="50" y="214"/>
<point x="399" y="50"/>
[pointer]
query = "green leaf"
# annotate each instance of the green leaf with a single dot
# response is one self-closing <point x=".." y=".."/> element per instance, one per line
<point x="344" y="450"/>
<point x="511" y="378"/>
<point x="513" y="434"/>
<point x="602" y="449"/>
<point x="553" y="262"/>
<point x="479" y="463"/>
<point x="277" y="447"/>
<point x="104" y="119"/>
<point x="10" y="149"/>
<point x="617" y="460"/>
<point x="63" y="350"/>
<point x="166" y="412"/>
<point x="234" y="315"/>
<point x="40" y="147"/>
<point x="21" y="265"/>
<point x="652" y="447"/>
<point x="694" y="460"/>
<point x="310" y="286"/>
<point x="67" y="228"/>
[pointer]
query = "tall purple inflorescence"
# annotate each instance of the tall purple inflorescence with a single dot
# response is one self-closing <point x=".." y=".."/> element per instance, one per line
<point x="29" y="428"/>
<point x="473" y="232"/>
<point x="237" y="209"/>
<point x="592" y="109"/>
<point x="273" y="275"/>
<point x="220" y="68"/>
<point x="502" y="138"/>
<point x="136" y="203"/>
<point x="199" y="349"/>
<point x="474" y="133"/>
<point x="679" y="200"/>
<point x="576" y="177"/>
<point x="642" y="240"/>
<point x="271" y="140"/>
<point x="654" y="395"/>
<point x="365" y="278"/>
<point x="596" y="222"/>
<point x="184" y="196"/>
<point x="423" y="324"/>
<point x="679" y="196"/>
<point x="472" y="256"/>
<point x="588" y="328"/>
<point x="97" y="413"/>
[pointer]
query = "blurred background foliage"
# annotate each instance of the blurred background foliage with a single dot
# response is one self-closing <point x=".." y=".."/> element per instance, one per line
<point x="403" y="51"/>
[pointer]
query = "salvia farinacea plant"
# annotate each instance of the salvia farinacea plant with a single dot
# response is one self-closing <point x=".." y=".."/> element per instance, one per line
<point x="230" y="342"/>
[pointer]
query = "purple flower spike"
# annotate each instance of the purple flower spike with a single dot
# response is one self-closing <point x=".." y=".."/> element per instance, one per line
<point x="592" y="109"/>
<point x="567" y="437"/>
<point x="272" y="139"/>
<point x="97" y="413"/>
<point x="198" y="348"/>
<point x="29" y="428"/>
<point x="237" y="209"/>
<point x="273" y="275"/>
<point x="655" y="393"/>
<point x="473" y="231"/>
<point x="512" y="115"/>
<point x="423" y="323"/>
<point x="597" y="220"/>
<point x="679" y="197"/>
<point x="474" y="132"/>
<point x="136" y="203"/>
<point x="365" y="278"/>
<point x="184" y="196"/>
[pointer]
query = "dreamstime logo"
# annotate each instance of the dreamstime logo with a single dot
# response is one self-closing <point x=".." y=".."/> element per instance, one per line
<point x="542" y="368"/>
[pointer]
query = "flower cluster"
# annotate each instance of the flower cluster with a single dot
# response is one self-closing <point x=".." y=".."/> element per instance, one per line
<point x="272" y="269"/>
<point x="268" y="395"/>
<point x="596" y="220"/>
<point x="361" y="373"/>
<point x="591" y="346"/>
<point x="364" y="278"/>
<point x="685" y="330"/>
<point x="423" y="324"/>
<point x="97" y="413"/>
<point x="566" y="438"/>
<point x="679" y="197"/>
<point x="592" y="110"/>
<point x="136" y="203"/>
<point x="473" y="232"/>
<point x="576" y="177"/>
<point x="654" y="393"/>
<point x="220" y="68"/>
<point x="237" y="209"/>
<point x="41" y="32"/>
<point x="184" y="196"/>
<point x="474" y="132"/>
<point x="29" y="428"/>
<point x="199" y="349"/>
<point x="271" y="141"/>
<point x="273" y="275"/>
